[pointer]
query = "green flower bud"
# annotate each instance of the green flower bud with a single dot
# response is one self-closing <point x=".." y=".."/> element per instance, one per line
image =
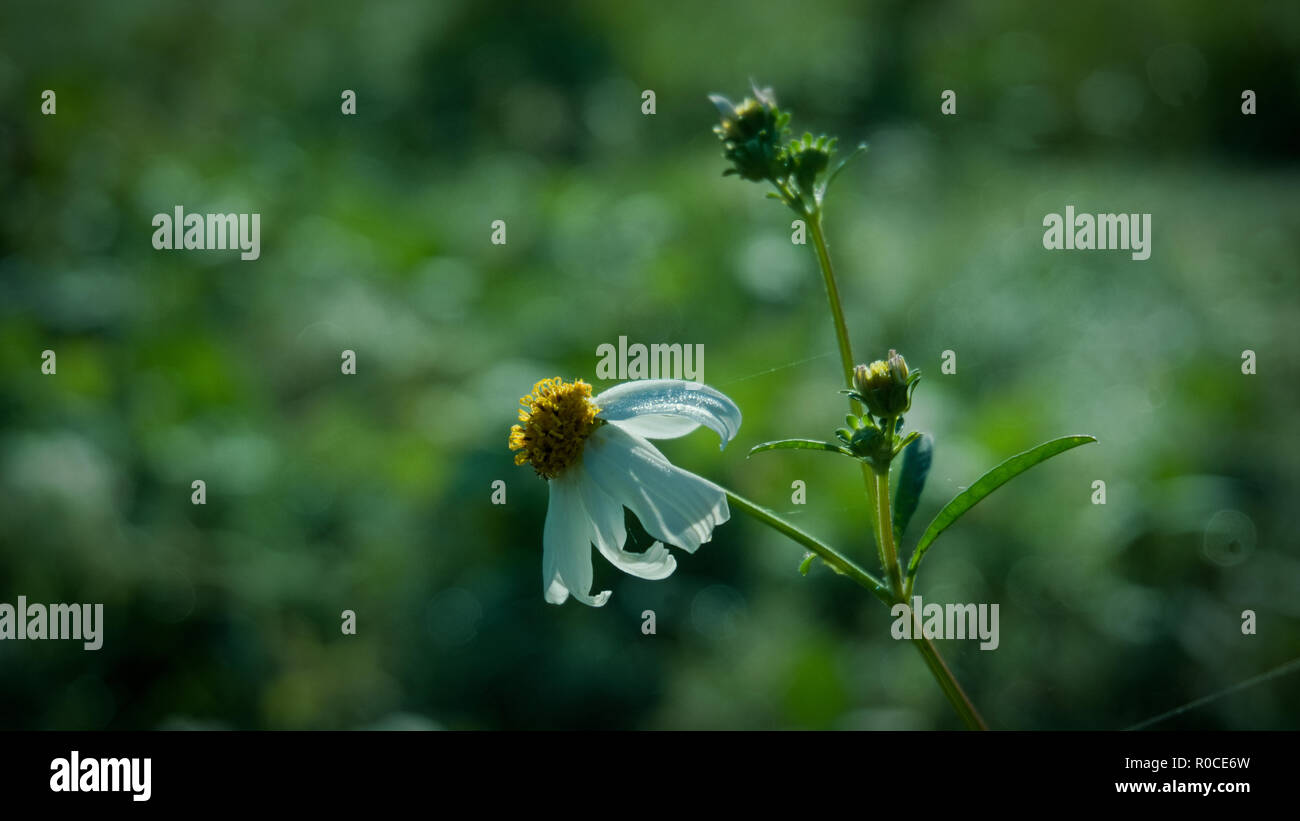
<point x="809" y="159"/>
<point x="745" y="121"/>
<point x="751" y="135"/>
<point x="863" y="378"/>
<point x="898" y="367"/>
<point x="885" y="386"/>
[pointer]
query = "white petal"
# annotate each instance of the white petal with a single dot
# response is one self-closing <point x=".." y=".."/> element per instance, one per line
<point x="609" y="534"/>
<point x="566" y="544"/>
<point x="674" y="506"/>
<point x="552" y="588"/>
<point x="556" y="592"/>
<point x="668" y="408"/>
<point x="656" y="426"/>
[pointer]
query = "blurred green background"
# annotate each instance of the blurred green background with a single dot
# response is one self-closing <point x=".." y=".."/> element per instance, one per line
<point x="372" y="492"/>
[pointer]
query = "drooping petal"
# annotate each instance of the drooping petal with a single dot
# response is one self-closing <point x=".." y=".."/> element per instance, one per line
<point x="675" y="506"/>
<point x="552" y="588"/>
<point x="566" y="544"/>
<point x="668" y="408"/>
<point x="555" y="592"/>
<point x="609" y="534"/>
<point x="554" y="538"/>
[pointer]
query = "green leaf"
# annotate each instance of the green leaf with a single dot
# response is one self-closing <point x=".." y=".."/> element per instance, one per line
<point x="911" y="481"/>
<point x="907" y="440"/>
<point x="986" y="484"/>
<point x="838" y="168"/>
<point x="800" y="444"/>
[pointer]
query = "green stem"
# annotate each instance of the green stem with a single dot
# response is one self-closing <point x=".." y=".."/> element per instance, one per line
<point x="877" y="484"/>
<point x="874" y="512"/>
<point x="948" y="683"/>
<point x="885" y="532"/>
<point x="814" y="219"/>
<point x="838" y="563"/>
<point x="842" y="565"/>
<point x="833" y="295"/>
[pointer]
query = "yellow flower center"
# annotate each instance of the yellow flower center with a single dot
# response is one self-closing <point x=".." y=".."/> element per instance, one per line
<point x="557" y="417"/>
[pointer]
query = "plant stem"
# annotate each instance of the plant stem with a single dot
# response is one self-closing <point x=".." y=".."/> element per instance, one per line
<point x="838" y="563"/>
<point x="846" y="353"/>
<point x="842" y="565"/>
<point x="885" y="532"/>
<point x="948" y="683"/>
<point x="877" y="483"/>
<point x="833" y="295"/>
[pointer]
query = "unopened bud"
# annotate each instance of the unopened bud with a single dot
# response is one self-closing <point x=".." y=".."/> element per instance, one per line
<point x="751" y="135"/>
<point x="898" y="367"/>
<point x="884" y="386"/>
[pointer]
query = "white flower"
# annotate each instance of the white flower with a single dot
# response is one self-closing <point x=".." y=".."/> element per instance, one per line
<point x="597" y="458"/>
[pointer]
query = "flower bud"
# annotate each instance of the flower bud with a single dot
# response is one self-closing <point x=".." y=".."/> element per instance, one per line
<point x="809" y="160"/>
<point x="884" y="386"/>
<point x="751" y="135"/>
<point x="744" y="122"/>
<point x="898" y="367"/>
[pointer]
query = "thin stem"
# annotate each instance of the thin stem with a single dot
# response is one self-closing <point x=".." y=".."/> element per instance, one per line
<point x="948" y="683"/>
<point x="846" y="352"/>
<point x="833" y="295"/>
<point x="873" y="511"/>
<point x="877" y="484"/>
<point x="838" y="563"/>
<point x="885" y="531"/>
<point x="842" y="565"/>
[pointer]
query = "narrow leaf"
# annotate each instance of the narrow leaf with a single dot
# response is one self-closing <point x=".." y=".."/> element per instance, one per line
<point x="911" y="481"/>
<point x="800" y="444"/>
<point x="840" y="167"/>
<point x="907" y="440"/>
<point x="986" y="484"/>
